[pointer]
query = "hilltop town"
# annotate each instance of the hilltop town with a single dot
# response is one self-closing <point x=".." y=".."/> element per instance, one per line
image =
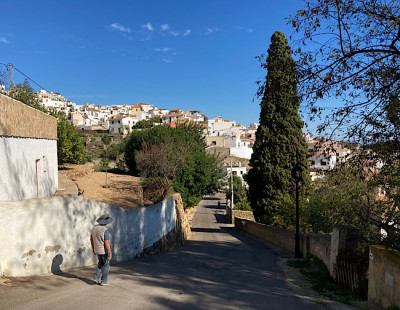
<point x="225" y="138"/>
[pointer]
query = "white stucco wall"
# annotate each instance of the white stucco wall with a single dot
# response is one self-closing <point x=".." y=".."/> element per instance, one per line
<point x="18" y="168"/>
<point x="241" y="152"/>
<point x="41" y="236"/>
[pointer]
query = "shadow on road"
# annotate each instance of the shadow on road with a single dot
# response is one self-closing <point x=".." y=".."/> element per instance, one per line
<point x="56" y="270"/>
<point x="210" y="198"/>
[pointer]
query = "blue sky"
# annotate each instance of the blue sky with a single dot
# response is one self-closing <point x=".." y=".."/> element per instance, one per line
<point x="174" y="54"/>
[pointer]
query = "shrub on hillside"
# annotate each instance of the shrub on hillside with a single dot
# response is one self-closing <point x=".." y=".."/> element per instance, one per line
<point x="177" y="159"/>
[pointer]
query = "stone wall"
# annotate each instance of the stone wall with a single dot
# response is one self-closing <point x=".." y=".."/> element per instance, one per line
<point x="384" y="276"/>
<point x="41" y="236"/>
<point x="176" y="237"/>
<point x="231" y="214"/>
<point x="19" y="120"/>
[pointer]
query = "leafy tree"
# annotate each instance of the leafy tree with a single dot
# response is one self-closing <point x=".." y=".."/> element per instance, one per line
<point x="350" y="50"/>
<point x="147" y="123"/>
<point x="239" y="190"/>
<point x="106" y="139"/>
<point x="349" y="196"/>
<point x="174" y="157"/>
<point x="25" y="93"/>
<point x="240" y="196"/>
<point x="279" y="141"/>
<point x="70" y="146"/>
<point x="114" y="150"/>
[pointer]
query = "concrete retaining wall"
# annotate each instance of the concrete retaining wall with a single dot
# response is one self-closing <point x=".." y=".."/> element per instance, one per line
<point x="318" y="245"/>
<point x="384" y="276"/>
<point x="40" y="236"/>
<point x="19" y="178"/>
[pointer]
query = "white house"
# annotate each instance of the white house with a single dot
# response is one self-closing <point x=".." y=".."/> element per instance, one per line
<point x="173" y="116"/>
<point x="195" y="116"/>
<point x="242" y="148"/>
<point x="52" y="100"/>
<point x="322" y="163"/>
<point x="121" y="124"/>
<point x="145" y="107"/>
<point x="217" y="126"/>
<point x="237" y="170"/>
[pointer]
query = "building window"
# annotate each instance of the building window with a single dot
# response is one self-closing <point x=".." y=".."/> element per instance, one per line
<point x="234" y="173"/>
<point x="213" y="142"/>
<point x="323" y="163"/>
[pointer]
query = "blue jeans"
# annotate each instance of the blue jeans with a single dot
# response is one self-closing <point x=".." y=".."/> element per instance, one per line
<point x="102" y="266"/>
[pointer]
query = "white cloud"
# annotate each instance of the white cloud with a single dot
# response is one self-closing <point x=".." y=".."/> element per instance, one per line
<point x="174" y="33"/>
<point x="250" y="30"/>
<point x="164" y="27"/>
<point x="166" y="60"/>
<point x="165" y="49"/>
<point x="119" y="27"/>
<point x="3" y="40"/>
<point x="210" y="31"/>
<point x="186" y="32"/>
<point x="148" y="26"/>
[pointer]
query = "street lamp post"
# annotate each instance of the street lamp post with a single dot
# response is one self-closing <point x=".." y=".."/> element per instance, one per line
<point x="296" y="174"/>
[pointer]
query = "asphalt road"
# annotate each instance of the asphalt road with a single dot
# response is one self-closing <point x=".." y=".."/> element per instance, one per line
<point x="220" y="268"/>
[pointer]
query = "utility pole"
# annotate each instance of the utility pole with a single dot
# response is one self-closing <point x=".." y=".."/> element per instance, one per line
<point x="296" y="174"/>
<point x="231" y="185"/>
<point x="10" y="69"/>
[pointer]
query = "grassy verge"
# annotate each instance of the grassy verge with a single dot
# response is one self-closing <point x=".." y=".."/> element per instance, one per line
<point x="315" y="270"/>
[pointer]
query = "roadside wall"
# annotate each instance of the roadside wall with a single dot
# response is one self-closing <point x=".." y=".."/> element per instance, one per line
<point x="28" y="151"/>
<point x="384" y="276"/>
<point x="318" y="245"/>
<point x="231" y="214"/>
<point x="42" y="236"/>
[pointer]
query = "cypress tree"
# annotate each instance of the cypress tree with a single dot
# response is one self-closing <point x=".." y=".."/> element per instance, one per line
<point x="280" y="143"/>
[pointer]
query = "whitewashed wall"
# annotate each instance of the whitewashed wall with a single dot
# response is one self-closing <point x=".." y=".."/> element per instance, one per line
<point x="241" y="152"/>
<point x="18" y="168"/>
<point x="41" y="236"/>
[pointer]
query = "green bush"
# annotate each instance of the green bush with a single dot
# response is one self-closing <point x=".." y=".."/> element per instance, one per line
<point x="243" y="205"/>
<point x="121" y="165"/>
<point x="106" y="139"/>
<point x="178" y="155"/>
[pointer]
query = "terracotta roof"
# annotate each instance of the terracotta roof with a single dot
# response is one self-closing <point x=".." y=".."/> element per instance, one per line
<point x="119" y="117"/>
<point x="136" y="106"/>
<point x="335" y="148"/>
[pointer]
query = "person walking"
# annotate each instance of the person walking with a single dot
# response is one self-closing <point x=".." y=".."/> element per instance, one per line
<point x="100" y="241"/>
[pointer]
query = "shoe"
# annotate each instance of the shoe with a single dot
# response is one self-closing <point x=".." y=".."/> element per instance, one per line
<point x="96" y="281"/>
<point x="103" y="284"/>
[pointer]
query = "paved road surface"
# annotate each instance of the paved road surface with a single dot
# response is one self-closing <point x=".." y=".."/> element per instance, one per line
<point x="220" y="268"/>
